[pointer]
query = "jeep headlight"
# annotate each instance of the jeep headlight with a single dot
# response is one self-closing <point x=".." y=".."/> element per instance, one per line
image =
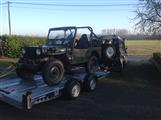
<point x="38" y="52"/>
<point x="23" y="51"/>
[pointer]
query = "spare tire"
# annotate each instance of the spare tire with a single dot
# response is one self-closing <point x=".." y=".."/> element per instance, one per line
<point x="53" y="72"/>
<point x="109" y="51"/>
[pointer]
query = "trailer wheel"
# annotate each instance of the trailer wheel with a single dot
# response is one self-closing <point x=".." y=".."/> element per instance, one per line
<point x="92" y="65"/>
<point x="90" y="83"/>
<point x="53" y="72"/>
<point x="24" y="74"/>
<point x="73" y="89"/>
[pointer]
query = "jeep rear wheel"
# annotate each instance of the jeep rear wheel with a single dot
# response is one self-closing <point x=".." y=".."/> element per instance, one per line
<point x="24" y="74"/>
<point x="53" y="72"/>
<point x="92" y="65"/>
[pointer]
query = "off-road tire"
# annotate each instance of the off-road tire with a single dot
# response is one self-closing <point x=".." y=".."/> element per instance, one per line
<point x="73" y="89"/>
<point x="104" y="51"/>
<point x="53" y="72"/>
<point x="92" y="65"/>
<point x="90" y="83"/>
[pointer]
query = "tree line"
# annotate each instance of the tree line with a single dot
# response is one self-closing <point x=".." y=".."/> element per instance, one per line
<point x="124" y="33"/>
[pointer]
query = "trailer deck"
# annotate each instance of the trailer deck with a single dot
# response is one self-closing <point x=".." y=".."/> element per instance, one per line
<point x="24" y="94"/>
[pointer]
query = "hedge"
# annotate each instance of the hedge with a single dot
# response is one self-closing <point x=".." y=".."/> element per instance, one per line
<point x="157" y="57"/>
<point x="12" y="44"/>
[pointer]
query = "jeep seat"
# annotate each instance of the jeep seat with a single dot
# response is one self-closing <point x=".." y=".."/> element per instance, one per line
<point x="83" y="42"/>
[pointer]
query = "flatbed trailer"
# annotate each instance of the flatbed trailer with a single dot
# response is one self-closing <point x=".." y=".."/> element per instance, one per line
<point x="25" y="94"/>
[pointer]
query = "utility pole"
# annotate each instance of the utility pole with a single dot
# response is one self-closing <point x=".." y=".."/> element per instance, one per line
<point x="9" y="19"/>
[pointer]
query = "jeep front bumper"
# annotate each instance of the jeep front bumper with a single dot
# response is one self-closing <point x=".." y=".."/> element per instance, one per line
<point x="31" y="64"/>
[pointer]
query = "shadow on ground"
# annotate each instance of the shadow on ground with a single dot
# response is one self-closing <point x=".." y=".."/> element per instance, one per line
<point x="140" y="72"/>
<point x="133" y="94"/>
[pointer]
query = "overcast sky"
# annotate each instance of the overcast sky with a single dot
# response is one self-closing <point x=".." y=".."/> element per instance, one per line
<point x="38" y="16"/>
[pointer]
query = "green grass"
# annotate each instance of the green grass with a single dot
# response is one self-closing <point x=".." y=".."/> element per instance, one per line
<point x="144" y="42"/>
<point x="143" y="47"/>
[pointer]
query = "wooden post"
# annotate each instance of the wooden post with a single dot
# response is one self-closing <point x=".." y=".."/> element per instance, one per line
<point x="9" y="18"/>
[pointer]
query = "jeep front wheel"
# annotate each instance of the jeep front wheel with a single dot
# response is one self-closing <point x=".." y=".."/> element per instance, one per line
<point x="53" y="72"/>
<point x="92" y="65"/>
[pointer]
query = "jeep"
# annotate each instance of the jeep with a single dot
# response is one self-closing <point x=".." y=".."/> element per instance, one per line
<point x="65" y="49"/>
<point x="114" y="53"/>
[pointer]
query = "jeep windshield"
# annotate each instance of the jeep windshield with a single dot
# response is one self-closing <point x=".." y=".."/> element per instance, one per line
<point x="60" y="36"/>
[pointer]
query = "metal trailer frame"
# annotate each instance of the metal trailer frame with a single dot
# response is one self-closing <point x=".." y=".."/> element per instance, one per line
<point x="25" y="94"/>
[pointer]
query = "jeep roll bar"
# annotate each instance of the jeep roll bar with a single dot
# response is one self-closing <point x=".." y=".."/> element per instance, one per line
<point x="74" y="27"/>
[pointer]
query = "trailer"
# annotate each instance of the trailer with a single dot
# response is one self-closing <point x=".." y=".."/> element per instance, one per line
<point x="25" y="94"/>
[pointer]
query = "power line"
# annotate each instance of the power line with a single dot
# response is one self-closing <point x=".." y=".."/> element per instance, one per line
<point x="24" y="4"/>
<point x="77" y="9"/>
<point x="107" y="1"/>
<point x="73" y="5"/>
<point x="102" y="3"/>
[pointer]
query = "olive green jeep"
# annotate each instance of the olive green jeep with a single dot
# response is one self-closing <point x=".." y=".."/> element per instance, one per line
<point x="65" y="49"/>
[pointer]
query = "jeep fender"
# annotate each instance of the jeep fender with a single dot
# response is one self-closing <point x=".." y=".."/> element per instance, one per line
<point x="96" y="51"/>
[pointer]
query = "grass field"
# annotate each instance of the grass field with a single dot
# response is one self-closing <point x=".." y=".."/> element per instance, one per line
<point x="143" y="47"/>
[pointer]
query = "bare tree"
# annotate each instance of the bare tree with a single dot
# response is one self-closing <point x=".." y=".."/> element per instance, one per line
<point x="149" y="15"/>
